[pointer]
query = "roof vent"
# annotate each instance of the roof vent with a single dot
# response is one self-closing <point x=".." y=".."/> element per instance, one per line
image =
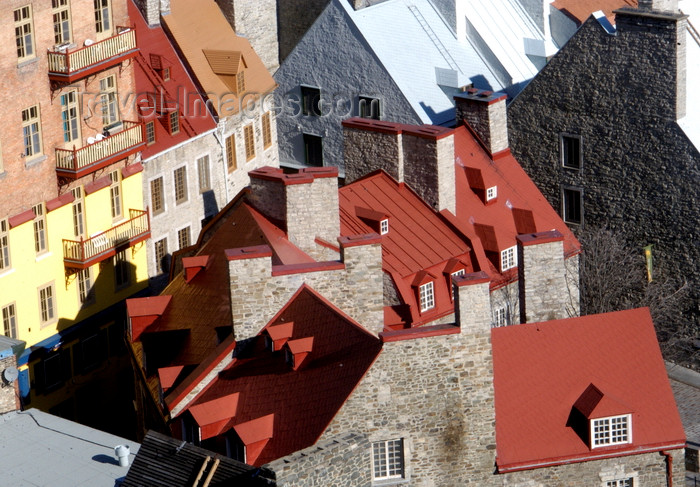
<point x="122" y="453"/>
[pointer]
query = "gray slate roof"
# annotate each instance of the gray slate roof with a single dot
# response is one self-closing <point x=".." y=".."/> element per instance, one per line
<point x="39" y="449"/>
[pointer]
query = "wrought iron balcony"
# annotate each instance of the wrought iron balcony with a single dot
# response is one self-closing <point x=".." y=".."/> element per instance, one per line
<point x="81" y="254"/>
<point x="76" y="163"/>
<point x="67" y="66"/>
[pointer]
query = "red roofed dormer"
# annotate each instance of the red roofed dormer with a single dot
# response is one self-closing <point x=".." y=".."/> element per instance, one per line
<point x="482" y="186"/>
<point x="168" y="375"/>
<point x="254" y="435"/>
<point x="453" y="268"/>
<point x="378" y="221"/>
<point x="213" y="416"/>
<point x="608" y="421"/>
<point x="193" y="265"/>
<point x="298" y="350"/>
<point x="424" y="283"/>
<point x="143" y="312"/>
<point x="279" y="335"/>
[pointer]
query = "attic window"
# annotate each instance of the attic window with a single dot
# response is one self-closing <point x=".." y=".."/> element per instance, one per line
<point x="384" y="226"/>
<point x="491" y="193"/>
<point x="156" y="61"/>
<point x="427" y="296"/>
<point x="509" y="259"/>
<point x="229" y="67"/>
<point x="613" y="430"/>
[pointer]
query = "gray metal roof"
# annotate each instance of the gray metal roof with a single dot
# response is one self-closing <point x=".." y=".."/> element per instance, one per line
<point x="39" y="449"/>
<point x="686" y="389"/>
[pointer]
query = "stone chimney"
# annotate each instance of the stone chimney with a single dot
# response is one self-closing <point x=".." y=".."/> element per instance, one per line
<point x="9" y="374"/>
<point x="485" y="112"/>
<point x="421" y="156"/>
<point x="654" y="36"/>
<point x="153" y="9"/>
<point x="542" y="278"/>
<point x="305" y="203"/>
<point x="473" y="303"/>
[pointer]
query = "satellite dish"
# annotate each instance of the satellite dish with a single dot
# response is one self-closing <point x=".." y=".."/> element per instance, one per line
<point x="10" y="374"/>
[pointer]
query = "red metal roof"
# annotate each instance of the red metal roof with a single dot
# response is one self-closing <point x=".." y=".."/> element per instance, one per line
<point x="303" y="401"/>
<point x="541" y="371"/>
<point x="579" y="11"/>
<point x="180" y="90"/>
<point x="519" y="207"/>
<point x="419" y="239"/>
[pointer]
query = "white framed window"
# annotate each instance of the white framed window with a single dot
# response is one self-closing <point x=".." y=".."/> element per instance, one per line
<point x="387" y="459"/>
<point x="491" y="193"/>
<point x="61" y="21"/>
<point x="31" y="129"/>
<point x="4" y="245"/>
<point x="86" y="294"/>
<point x="24" y="33"/>
<point x="627" y="482"/>
<point x="180" y="180"/>
<point x="509" y="258"/>
<point x="203" y="172"/>
<point x="47" y="304"/>
<point x="103" y="16"/>
<point x="108" y="100"/>
<point x="427" y="296"/>
<point x="9" y="320"/>
<point x="384" y="226"/>
<point x="500" y="317"/>
<point x="613" y="430"/>
<point x="40" y="245"/>
<point x="78" y="212"/>
<point x="452" y="288"/>
<point x="70" y="114"/>
<point x="115" y="194"/>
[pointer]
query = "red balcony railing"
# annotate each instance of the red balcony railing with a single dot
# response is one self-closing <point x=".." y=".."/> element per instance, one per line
<point x="81" y="254"/>
<point x="71" y="65"/>
<point x="76" y="163"/>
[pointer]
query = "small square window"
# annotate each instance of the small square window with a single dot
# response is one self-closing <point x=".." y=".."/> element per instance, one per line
<point x="384" y="227"/>
<point x="387" y="460"/>
<point x="427" y="296"/>
<point x="313" y="150"/>
<point x="311" y="101"/>
<point x="509" y="259"/>
<point x="572" y="205"/>
<point x="491" y="193"/>
<point x="571" y="154"/>
<point x="611" y="431"/>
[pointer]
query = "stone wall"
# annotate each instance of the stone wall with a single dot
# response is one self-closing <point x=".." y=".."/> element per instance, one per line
<point x="485" y="112"/>
<point x="366" y="151"/>
<point x="429" y="167"/>
<point x="340" y="461"/>
<point x="9" y="392"/>
<point x="258" y="290"/>
<point x="256" y="20"/>
<point x="153" y="9"/>
<point x="294" y="19"/>
<point x="640" y="173"/>
<point x="337" y="46"/>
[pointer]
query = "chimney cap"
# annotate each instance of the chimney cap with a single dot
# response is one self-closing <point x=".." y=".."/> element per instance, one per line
<point x="482" y="96"/>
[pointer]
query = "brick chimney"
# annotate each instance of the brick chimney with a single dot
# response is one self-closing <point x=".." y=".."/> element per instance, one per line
<point x="654" y="36"/>
<point x="305" y="203"/>
<point x="485" y="112"/>
<point x="542" y="277"/>
<point x="421" y="156"/>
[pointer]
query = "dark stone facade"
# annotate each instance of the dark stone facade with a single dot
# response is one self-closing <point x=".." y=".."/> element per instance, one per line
<point x="621" y="94"/>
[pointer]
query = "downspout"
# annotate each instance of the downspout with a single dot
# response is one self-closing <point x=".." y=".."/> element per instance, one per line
<point x="669" y="468"/>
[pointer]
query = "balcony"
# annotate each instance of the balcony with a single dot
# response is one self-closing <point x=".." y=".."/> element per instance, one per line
<point x="76" y="163"/>
<point x="86" y="252"/>
<point x="67" y="66"/>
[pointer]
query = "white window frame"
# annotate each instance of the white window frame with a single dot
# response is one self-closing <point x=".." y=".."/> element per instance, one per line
<point x="115" y="194"/>
<point x="607" y="433"/>
<point x="384" y="226"/>
<point x="458" y="273"/>
<point x="103" y="17"/>
<point x="5" y="261"/>
<point x="109" y="101"/>
<point x="500" y="316"/>
<point x="31" y="130"/>
<point x="491" y="193"/>
<point x="61" y="21"/>
<point x="47" y="304"/>
<point x="626" y="482"/>
<point x="78" y="207"/>
<point x="426" y="295"/>
<point x="41" y="245"/>
<point x="70" y="116"/>
<point x="9" y="320"/>
<point x="388" y="460"/>
<point x="24" y="33"/>
<point x="509" y="258"/>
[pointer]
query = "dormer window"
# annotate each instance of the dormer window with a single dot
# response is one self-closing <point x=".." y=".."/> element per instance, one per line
<point x="289" y="358"/>
<point x="509" y="259"/>
<point x="384" y="226"/>
<point x="613" y="430"/>
<point x="427" y="296"/>
<point x="491" y="193"/>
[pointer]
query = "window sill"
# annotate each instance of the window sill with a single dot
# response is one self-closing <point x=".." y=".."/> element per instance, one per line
<point x="42" y="256"/>
<point x="7" y="272"/>
<point x="48" y="323"/>
<point x="27" y="62"/>
<point x="381" y="483"/>
<point x="35" y="161"/>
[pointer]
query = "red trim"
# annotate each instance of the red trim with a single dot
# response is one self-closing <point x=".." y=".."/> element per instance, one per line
<point x="420" y="332"/>
<point x="321" y="172"/>
<point x="540" y="238"/>
<point x="432" y="132"/>
<point x="285" y="270"/>
<point x="482" y="96"/>
<point x="21" y="218"/>
<point x="501" y="154"/>
<point x="248" y="252"/>
<point x="357" y="240"/>
<point x="328" y="245"/>
<point x="268" y="173"/>
<point x="551" y="462"/>
<point x="57" y="203"/>
<point x="97" y="185"/>
<point x="474" y="278"/>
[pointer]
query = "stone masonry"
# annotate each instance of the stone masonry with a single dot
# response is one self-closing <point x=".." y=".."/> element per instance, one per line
<point x="542" y="277"/>
<point x="153" y="9"/>
<point x="9" y="392"/>
<point x="485" y="112"/>
<point x="259" y="289"/>
<point x="621" y="94"/>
